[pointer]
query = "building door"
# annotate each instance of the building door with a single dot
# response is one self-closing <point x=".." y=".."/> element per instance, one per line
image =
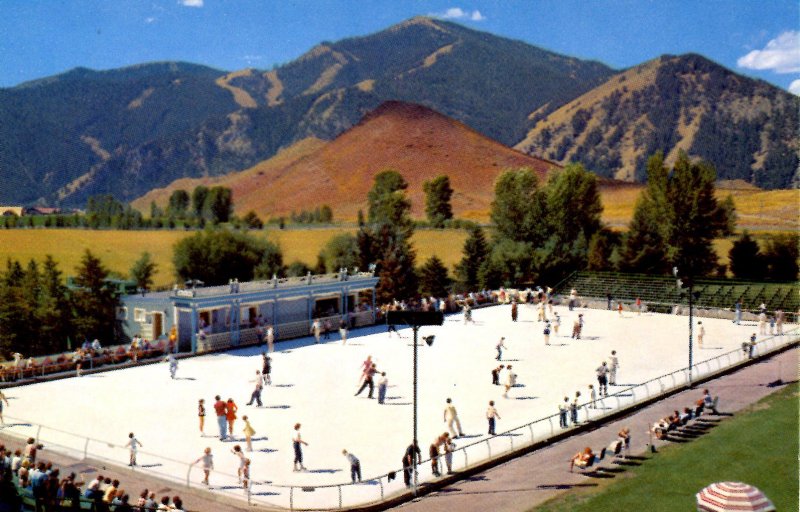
<point x="158" y="325"/>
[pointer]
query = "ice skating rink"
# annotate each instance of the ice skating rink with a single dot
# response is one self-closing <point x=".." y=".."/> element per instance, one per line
<point x="314" y="385"/>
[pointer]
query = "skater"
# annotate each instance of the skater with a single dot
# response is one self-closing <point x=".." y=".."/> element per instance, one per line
<point x="612" y="375"/>
<point x="246" y="476"/>
<point x="542" y="310"/>
<point x="316" y="329"/>
<point x="780" y="316"/>
<point x="762" y="323"/>
<point x="343" y="330"/>
<point x="576" y="327"/>
<point x="326" y="329"/>
<point x="602" y="379"/>
<point x="737" y="316"/>
<point x="496" y="374"/>
<point x="237" y="451"/>
<point x="133" y="445"/>
<point x="467" y="314"/>
<point x="221" y="412"/>
<point x="500" y="346"/>
<point x="266" y="369"/>
<point x="201" y="414"/>
<point x="492" y="415"/>
<point x="368" y="377"/>
<point x="297" y="444"/>
<point x="751" y="347"/>
<point x="573" y="408"/>
<point x="514" y="311"/>
<point x="383" y="383"/>
<point x="230" y="414"/>
<point x="563" y="409"/>
<point x="593" y="397"/>
<point x="701" y="333"/>
<point x="255" y="396"/>
<point x="608" y="300"/>
<point x="772" y="325"/>
<point x="449" y="447"/>
<point x="173" y="365"/>
<point x="573" y="299"/>
<point x="355" y="466"/>
<point x="391" y="328"/>
<point x="433" y="453"/>
<point x="511" y="380"/>
<point x="451" y="417"/>
<point x="2" y="399"/>
<point x="248" y="433"/>
<point x="411" y="458"/>
<point x="556" y="323"/>
<point x="638" y="306"/>
<point x="546" y="333"/>
<point x="270" y="338"/>
<point x="208" y="464"/>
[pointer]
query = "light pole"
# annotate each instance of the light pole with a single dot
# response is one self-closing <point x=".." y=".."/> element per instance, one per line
<point x="689" y="281"/>
<point x="415" y="319"/>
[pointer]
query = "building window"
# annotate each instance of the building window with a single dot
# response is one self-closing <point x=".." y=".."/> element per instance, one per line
<point x="139" y="315"/>
<point x="122" y="313"/>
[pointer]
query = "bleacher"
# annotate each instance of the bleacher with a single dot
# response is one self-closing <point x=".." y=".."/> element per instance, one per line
<point x="661" y="290"/>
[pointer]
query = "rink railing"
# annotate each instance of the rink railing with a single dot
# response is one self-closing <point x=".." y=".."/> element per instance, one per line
<point x="379" y="488"/>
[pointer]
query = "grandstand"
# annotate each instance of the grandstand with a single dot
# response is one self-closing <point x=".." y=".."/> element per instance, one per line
<point x="660" y="291"/>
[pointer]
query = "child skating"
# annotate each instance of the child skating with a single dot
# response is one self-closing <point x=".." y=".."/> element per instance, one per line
<point x="208" y="464"/>
<point x="133" y="444"/>
<point x="248" y="433"/>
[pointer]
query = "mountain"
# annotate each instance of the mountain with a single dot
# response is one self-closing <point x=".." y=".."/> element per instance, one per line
<point x="746" y="128"/>
<point x="58" y="133"/>
<point x="412" y="139"/>
<point x="126" y="131"/>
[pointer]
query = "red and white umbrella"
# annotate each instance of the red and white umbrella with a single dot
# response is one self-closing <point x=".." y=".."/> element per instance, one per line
<point x="732" y="496"/>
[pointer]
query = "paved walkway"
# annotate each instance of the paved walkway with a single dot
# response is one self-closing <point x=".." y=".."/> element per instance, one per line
<point x="514" y="486"/>
<point x="525" y="482"/>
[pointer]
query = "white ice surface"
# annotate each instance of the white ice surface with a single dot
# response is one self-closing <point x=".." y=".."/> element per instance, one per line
<point x="314" y="385"/>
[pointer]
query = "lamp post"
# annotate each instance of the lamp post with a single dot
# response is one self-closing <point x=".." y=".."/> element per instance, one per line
<point x="689" y="281"/>
<point x="415" y="319"/>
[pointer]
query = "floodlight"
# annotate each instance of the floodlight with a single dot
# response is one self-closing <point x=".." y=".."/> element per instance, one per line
<point x="429" y="339"/>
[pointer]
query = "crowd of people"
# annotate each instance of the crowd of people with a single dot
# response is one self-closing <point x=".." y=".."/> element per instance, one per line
<point x="22" y="475"/>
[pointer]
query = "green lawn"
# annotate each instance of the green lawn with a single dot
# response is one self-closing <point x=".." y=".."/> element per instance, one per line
<point x="758" y="446"/>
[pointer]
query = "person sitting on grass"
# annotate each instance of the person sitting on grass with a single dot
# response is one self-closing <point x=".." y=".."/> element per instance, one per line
<point x="581" y="459"/>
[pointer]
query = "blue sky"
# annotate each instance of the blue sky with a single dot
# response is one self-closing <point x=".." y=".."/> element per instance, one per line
<point x="39" y="38"/>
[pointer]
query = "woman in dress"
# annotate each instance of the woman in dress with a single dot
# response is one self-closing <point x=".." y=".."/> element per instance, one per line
<point x="248" y="433"/>
<point x="230" y="414"/>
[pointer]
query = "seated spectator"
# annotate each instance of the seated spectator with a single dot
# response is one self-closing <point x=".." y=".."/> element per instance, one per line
<point x="164" y="505"/>
<point x="93" y="491"/>
<point x="710" y="403"/>
<point x="177" y="504"/>
<point x="11" y="500"/>
<point x="625" y="436"/>
<point x="111" y="491"/>
<point x="122" y="504"/>
<point x="96" y="346"/>
<point x="582" y="459"/>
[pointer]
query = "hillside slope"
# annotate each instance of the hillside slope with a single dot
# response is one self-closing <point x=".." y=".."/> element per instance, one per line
<point x="746" y="128"/>
<point x="412" y="139"/>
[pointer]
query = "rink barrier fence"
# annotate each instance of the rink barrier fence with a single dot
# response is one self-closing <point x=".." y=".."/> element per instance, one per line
<point x="504" y="444"/>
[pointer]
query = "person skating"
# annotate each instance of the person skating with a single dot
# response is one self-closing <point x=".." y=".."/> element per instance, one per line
<point x="499" y="347"/>
<point x="221" y="412"/>
<point x="573" y="408"/>
<point x="511" y="380"/>
<point x="173" y="365"/>
<point x="383" y="384"/>
<point x="514" y="311"/>
<point x="612" y="375"/>
<point x="297" y="445"/>
<point x="355" y="466"/>
<point x="369" y="376"/>
<point x="563" y="410"/>
<point x="602" y="379"/>
<point x="496" y="374"/>
<point x="451" y="417"/>
<point x="201" y="414"/>
<point x="208" y="464"/>
<point x="546" y="333"/>
<point x="248" y="431"/>
<point x="2" y="399"/>
<point x="701" y="334"/>
<point x="255" y="396"/>
<point x="316" y="329"/>
<point x="411" y="458"/>
<point x="266" y="369"/>
<point x="230" y="414"/>
<point x="492" y="415"/>
<point x="133" y="445"/>
<point x="237" y="451"/>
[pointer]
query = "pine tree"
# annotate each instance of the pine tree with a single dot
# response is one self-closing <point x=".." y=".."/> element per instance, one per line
<point x="434" y="280"/>
<point x="746" y="260"/>
<point x="142" y="272"/>
<point x="475" y="251"/>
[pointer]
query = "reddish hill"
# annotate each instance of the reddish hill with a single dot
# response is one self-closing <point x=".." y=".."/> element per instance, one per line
<point x="412" y="139"/>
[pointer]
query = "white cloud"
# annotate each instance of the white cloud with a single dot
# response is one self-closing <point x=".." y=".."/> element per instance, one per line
<point x="781" y="55"/>
<point x="457" y="13"/>
<point x="150" y="20"/>
<point x="794" y="87"/>
<point x="192" y="3"/>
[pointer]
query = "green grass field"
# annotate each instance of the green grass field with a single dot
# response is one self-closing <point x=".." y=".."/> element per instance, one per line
<point x="758" y="446"/>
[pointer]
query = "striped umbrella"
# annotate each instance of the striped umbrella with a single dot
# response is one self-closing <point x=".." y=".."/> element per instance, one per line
<point x="732" y="496"/>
